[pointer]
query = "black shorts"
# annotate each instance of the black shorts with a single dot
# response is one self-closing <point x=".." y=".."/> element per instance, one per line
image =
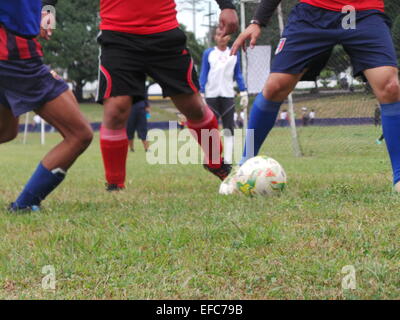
<point x="126" y="59"/>
<point x="137" y="122"/>
<point x="223" y="108"/>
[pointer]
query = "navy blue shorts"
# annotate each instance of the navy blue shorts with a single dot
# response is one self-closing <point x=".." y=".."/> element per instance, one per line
<point x="26" y="85"/>
<point x="137" y="122"/>
<point x="311" y="34"/>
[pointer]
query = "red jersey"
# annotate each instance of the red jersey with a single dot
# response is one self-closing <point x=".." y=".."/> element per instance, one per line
<point x="138" y="16"/>
<point x="13" y="47"/>
<point x="337" y="5"/>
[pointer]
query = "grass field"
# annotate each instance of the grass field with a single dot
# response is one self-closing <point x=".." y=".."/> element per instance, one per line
<point x="170" y="235"/>
<point x="355" y="105"/>
<point x="94" y="112"/>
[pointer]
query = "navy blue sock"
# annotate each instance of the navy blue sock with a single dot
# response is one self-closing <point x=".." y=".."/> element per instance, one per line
<point x="39" y="186"/>
<point x="391" y="132"/>
<point x="262" y="119"/>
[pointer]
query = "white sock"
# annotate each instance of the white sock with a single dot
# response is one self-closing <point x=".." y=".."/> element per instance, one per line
<point x="228" y="148"/>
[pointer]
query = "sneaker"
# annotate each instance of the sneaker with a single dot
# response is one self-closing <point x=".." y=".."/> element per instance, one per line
<point x="114" y="187"/>
<point x="222" y="172"/>
<point x="14" y="208"/>
<point x="396" y="187"/>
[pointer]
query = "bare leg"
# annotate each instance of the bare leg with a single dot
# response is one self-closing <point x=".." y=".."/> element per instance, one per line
<point x="265" y="111"/>
<point x="8" y="125"/>
<point x="280" y="85"/>
<point x="63" y="113"/>
<point x="116" y="112"/>
<point x="192" y="106"/>
<point x="145" y="145"/>
<point x="385" y="83"/>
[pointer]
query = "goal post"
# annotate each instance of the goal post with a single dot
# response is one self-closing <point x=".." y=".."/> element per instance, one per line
<point x="42" y="130"/>
<point x="265" y="63"/>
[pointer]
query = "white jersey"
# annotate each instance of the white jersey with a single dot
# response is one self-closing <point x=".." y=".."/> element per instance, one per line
<point x="218" y="72"/>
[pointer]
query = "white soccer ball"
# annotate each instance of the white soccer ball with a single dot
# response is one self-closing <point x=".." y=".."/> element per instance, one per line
<point x="260" y="175"/>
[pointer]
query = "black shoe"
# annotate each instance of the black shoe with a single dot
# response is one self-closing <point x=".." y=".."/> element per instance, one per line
<point x="222" y="172"/>
<point x="114" y="187"/>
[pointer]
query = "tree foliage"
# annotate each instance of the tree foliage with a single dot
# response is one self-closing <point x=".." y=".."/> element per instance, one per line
<point x="73" y="47"/>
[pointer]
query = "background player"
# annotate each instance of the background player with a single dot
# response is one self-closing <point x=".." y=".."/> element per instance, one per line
<point x="26" y="85"/>
<point x="218" y="71"/>
<point x="314" y="28"/>
<point x="139" y="38"/>
<point x="137" y="122"/>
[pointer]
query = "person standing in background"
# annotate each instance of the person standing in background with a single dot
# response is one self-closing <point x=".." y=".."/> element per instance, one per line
<point x="312" y="117"/>
<point x="218" y="72"/>
<point x="137" y="122"/>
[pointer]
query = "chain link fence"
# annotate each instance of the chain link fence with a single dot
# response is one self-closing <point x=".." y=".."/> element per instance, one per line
<point x="337" y="112"/>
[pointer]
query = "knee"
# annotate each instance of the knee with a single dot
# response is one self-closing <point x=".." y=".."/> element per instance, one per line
<point x="276" y="90"/>
<point x="115" y="116"/>
<point x="81" y="140"/>
<point x="391" y="91"/>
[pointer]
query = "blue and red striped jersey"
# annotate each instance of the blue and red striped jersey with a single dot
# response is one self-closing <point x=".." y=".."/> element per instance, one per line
<point x="19" y="26"/>
<point x="13" y="47"/>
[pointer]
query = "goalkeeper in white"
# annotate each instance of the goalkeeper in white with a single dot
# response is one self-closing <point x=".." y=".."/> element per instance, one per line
<point x="219" y="70"/>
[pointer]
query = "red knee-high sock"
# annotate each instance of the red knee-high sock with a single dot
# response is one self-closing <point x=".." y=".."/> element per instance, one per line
<point x="114" y="148"/>
<point x="207" y="135"/>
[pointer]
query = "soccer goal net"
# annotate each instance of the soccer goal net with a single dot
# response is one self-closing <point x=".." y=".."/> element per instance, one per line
<point x="336" y="114"/>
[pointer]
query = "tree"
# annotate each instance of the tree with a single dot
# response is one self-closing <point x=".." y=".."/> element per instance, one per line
<point x="73" y="47"/>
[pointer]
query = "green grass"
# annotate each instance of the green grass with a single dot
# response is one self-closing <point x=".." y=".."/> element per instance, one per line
<point x="170" y="235"/>
<point x="94" y="112"/>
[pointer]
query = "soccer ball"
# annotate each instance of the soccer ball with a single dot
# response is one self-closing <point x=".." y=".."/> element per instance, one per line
<point x="260" y="175"/>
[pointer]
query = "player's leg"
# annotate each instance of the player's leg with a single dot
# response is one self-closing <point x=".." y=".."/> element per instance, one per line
<point x="146" y="145"/>
<point x="385" y="83"/>
<point x="204" y="125"/>
<point x="121" y="77"/>
<point x="8" y="125"/>
<point x="372" y="51"/>
<point x="227" y="115"/>
<point x="265" y="110"/>
<point x="175" y="72"/>
<point x="114" y="140"/>
<point x="304" y="47"/>
<point x="63" y="113"/>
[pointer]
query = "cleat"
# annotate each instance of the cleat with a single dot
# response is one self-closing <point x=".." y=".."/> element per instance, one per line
<point x="14" y="208"/>
<point x="378" y="141"/>
<point x="114" y="187"/>
<point x="222" y="172"/>
<point x="397" y="187"/>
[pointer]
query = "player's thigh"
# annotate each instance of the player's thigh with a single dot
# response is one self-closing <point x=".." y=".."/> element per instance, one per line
<point x="8" y="124"/>
<point x="64" y="114"/>
<point x="370" y="45"/>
